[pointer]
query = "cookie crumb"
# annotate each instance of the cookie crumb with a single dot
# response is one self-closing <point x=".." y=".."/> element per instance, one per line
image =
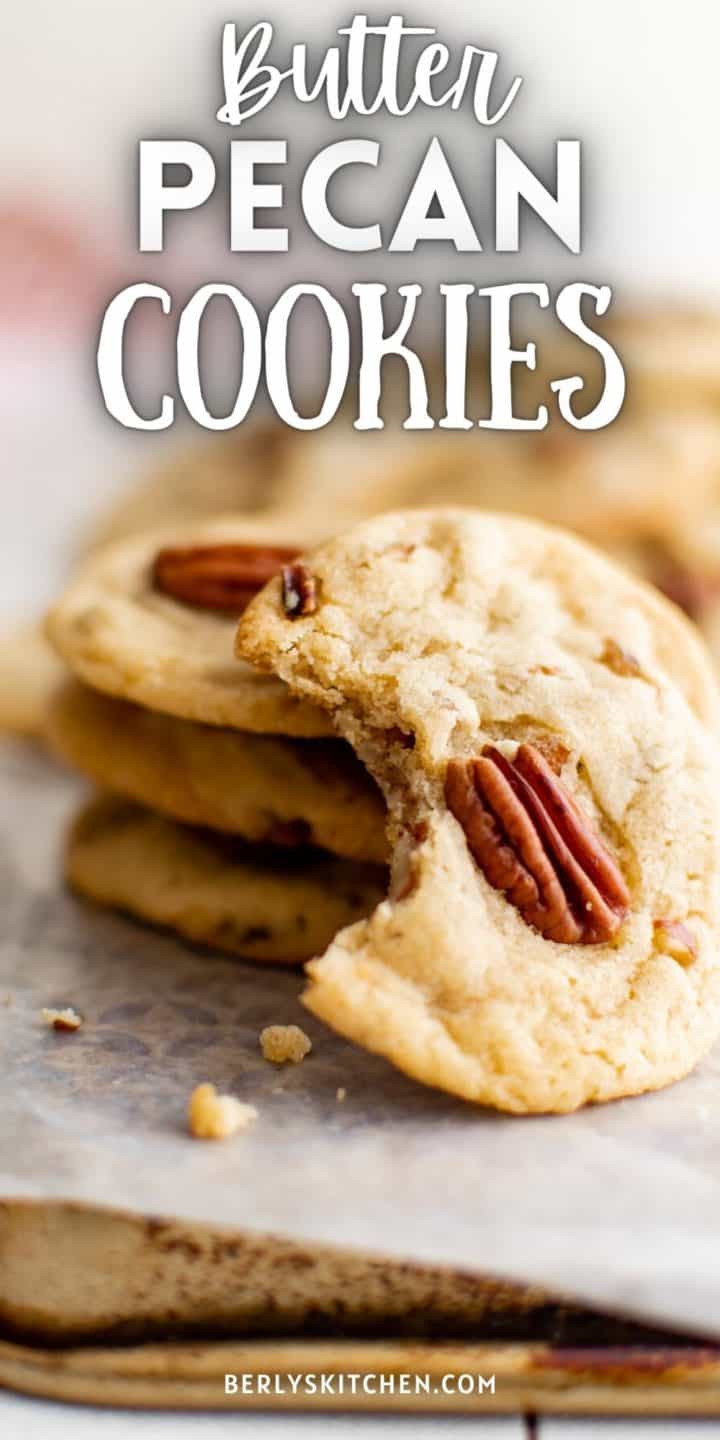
<point x="340" y="1094"/>
<point x="280" y="1043"/>
<point x="67" y="1019"/>
<point x="217" y="1117"/>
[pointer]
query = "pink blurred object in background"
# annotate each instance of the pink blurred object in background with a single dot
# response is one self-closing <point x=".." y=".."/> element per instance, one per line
<point x="54" y="273"/>
<point x="62" y="457"/>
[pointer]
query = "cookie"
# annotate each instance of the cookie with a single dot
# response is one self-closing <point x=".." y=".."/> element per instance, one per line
<point x="671" y="354"/>
<point x="29" y="673"/>
<point x="167" y="643"/>
<point x="685" y="566"/>
<point x="332" y="473"/>
<point x="229" y="473"/>
<point x="655" y="465"/>
<point x="262" y="903"/>
<point x="265" y="788"/>
<point x="640" y="474"/>
<point x="534" y="716"/>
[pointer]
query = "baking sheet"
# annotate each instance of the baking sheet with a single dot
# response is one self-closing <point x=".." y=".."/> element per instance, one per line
<point x="617" y="1205"/>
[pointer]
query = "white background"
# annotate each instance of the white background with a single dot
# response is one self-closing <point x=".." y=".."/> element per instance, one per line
<point x="637" y="83"/>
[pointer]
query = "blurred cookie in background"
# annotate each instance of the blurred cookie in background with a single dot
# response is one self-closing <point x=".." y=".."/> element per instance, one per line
<point x="29" y="673"/>
<point x="671" y="355"/>
<point x="237" y="471"/>
<point x="656" y="463"/>
<point x="656" y="466"/>
<point x="639" y="475"/>
<point x="685" y="565"/>
<point x="331" y="477"/>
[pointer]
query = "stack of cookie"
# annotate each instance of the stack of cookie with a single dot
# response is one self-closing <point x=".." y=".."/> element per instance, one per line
<point x="525" y="731"/>
<point x="534" y="727"/>
<point x="228" y="812"/>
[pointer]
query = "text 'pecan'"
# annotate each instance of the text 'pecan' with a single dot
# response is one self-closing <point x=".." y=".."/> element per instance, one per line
<point x="299" y="591"/>
<point x="531" y="841"/>
<point x="218" y="577"/>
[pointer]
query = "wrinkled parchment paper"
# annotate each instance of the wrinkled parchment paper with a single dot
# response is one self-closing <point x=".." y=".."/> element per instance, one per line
<point x="618" y="1205"/>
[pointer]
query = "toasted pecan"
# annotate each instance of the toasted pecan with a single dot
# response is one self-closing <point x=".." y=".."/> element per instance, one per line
<point x="299" y="591"/>
<point x="222" y="577"/>
<point x="532" y="842"/>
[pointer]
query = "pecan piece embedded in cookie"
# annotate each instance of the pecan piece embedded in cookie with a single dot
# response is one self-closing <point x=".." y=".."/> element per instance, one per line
<point x="532" y="842"/>
<point x="672" y="937"/>
<point x="620" y="661"/>
<point x="299" y="591"/>
<point x="218" y="577"/>
<point x="553" y="750"/>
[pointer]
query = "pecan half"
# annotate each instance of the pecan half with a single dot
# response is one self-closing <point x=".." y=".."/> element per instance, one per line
<point x="289" y="833"/>
<point x="531" y="841"/>
<point x="218" y="577"/>
<point x="299" y="591"/>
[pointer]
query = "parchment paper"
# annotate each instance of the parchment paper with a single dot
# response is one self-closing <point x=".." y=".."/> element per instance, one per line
<point x="617" y="1205"/>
